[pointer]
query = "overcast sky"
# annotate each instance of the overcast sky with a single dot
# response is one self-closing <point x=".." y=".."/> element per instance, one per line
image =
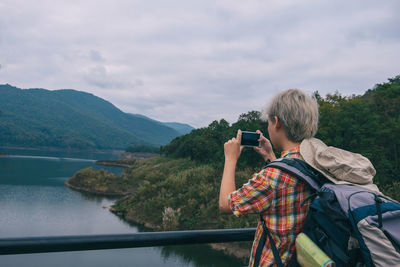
<point x="198" y="61"/>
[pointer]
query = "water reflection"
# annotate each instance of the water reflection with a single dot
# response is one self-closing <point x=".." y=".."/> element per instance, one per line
<point x="201" y="255"/>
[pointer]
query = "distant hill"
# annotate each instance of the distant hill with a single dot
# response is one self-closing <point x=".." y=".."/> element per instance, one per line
<point x="182" y="128"/>
<point x="72" y="119"/>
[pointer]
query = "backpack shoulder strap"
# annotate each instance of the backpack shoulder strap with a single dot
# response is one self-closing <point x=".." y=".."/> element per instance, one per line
<point x="266" y="233"/>
<point x="301" y="170"/>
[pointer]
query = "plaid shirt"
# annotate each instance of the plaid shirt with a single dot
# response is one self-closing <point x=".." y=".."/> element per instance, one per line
<point x="278" y="196"/>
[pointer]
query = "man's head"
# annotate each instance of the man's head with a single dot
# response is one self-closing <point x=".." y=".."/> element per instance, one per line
<point x="293" y="114"/>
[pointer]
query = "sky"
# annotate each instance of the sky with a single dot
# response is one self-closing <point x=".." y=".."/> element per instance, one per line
<point x="198" y="61"/>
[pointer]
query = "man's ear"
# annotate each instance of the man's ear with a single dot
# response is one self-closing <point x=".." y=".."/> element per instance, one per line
<point x="277" y="123"/>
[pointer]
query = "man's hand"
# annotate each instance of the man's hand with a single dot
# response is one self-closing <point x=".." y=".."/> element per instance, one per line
<point x="265" y="149"/>
<point x="232" y="148"/>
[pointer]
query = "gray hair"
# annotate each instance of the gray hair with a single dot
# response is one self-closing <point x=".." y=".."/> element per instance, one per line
<point x="296" y="111"/>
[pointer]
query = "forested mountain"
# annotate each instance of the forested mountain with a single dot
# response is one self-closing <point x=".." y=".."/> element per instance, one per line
<point x="182" y="128"/>
<point x="72" y="119"/>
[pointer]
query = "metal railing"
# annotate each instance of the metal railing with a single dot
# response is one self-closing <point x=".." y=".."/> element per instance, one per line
<point x="26" y="245"/>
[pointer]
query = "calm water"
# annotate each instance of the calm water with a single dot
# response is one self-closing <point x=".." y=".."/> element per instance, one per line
<point x="35" y="202"/>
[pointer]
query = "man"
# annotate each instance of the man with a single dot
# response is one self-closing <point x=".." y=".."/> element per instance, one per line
<point x="292" y="117"/>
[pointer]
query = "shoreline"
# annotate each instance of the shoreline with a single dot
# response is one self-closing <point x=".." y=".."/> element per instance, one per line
<point x="99" y="193"/>
<point x="61" y="149"/>
<point x="130" y="218"/>
<point x="130" y="159"/>
<point x="113" y="163"/>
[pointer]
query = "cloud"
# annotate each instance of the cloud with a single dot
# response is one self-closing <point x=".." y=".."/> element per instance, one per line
<point x="197" y="61"/>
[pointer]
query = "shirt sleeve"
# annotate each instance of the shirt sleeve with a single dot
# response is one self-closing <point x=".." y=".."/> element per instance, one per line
<point x="254" y="196"/>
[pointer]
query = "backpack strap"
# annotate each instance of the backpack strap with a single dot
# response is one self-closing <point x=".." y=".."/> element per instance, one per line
<point x="300" y="170"/>
<point x="266" y="233"/>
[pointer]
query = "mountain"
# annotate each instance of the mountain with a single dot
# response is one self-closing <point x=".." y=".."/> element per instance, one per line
<point x="72" y="119"/>
<point x="182" y="128"/>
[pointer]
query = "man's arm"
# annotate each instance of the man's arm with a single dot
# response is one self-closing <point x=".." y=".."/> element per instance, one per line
<point x="227" y="186"/>
<point x="232" y="150"/>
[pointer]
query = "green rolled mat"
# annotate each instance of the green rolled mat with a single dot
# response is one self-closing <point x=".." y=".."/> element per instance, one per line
<point x="309" y="254"/>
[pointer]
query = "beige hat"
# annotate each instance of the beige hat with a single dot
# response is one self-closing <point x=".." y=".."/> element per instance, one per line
<point x="338" y="165"/>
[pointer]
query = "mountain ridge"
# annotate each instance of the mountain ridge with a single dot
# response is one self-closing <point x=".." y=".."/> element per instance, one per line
<point x="182" y="128"/>
<point x="72" y="119"/>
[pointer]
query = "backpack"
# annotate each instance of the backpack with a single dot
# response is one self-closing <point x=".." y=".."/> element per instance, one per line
<point x="354" y="226"/>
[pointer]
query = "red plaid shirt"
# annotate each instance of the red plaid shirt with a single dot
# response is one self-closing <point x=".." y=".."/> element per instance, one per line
<point x="278" y="196"/>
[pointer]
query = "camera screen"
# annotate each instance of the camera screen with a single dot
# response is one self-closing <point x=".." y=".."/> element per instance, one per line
<point x="250" y="139"/>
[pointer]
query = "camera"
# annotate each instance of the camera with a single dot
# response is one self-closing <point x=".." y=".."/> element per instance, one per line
<point x="250" y="139"/>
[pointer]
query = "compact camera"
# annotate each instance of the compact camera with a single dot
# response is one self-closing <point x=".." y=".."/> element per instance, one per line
<point x="250" y="139"/>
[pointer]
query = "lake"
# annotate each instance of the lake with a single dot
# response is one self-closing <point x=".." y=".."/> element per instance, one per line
<point x="35" y="202"/>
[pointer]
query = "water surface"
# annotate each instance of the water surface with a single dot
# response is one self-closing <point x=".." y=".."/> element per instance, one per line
<point x="35" y="202"/>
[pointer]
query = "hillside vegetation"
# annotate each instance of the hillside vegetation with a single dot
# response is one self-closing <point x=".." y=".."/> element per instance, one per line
<point x="179" y="189"/>
<point x="72" y="119"/>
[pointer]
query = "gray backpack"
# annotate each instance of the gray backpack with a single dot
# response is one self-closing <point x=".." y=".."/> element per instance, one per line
<point x="374" y="220"/>
<point x="354" y="226"/>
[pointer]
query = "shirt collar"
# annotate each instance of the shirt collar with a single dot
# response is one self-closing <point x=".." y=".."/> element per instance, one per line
<point x="289" y="152"/>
